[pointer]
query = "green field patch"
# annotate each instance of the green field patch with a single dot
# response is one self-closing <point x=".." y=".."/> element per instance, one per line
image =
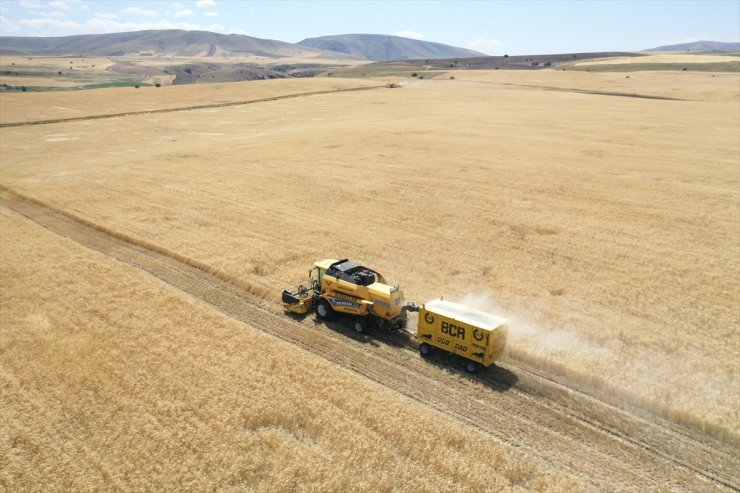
<point x="358" y="72"/>
<point x="115" y="84"/>
<point x="8" y="87"/>
<point x="26" y="73"/>
<point x="85" y="78"/>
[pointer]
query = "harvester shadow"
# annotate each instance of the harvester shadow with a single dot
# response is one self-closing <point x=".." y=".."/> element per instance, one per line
<point x="295" y="316"/>
<point x="341" y="325"/>
<point x="494" y="377"/>
<point x="371" y="336"/>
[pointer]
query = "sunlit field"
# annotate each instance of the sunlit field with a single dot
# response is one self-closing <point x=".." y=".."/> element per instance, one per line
<point x="113" y="380"/>
<point x="604" y="225"/>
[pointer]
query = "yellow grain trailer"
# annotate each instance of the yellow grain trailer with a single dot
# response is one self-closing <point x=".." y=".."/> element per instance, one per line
<point x="473" y="334"/>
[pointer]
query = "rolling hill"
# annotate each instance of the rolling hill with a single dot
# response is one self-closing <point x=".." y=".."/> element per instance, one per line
<point x="382" y="48"/>
<point x="700" y="46"/>
<point x="172" y="42"/>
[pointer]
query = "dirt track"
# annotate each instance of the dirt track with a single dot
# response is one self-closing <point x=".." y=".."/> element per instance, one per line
<point x="608" y="448"/>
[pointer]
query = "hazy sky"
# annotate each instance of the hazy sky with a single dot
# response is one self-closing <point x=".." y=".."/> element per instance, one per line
<point x="493" y="27"/>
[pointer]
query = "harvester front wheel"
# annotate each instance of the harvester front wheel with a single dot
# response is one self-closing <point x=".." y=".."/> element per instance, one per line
<point x="471" y="367"/>
<point x="425" y="349"/>
<point x="359" y="325"/>
<point x="324" y="309"/>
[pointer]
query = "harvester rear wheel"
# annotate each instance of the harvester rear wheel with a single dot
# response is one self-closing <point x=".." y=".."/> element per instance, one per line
<point x="425" y="349"/>
<point x="324" y="309"/>
<point x="471" y="367"/>
<point x="359" y="325"/>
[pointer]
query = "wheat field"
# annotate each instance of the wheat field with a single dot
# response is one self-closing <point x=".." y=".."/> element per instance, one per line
<point x="690" y="86"/>
<point x="87" y="104"/>
<point x="604" y="226"/>
<point x="112" y="380"/>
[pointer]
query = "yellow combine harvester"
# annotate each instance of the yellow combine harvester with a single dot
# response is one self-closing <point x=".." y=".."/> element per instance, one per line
<point x="342" y="286"/>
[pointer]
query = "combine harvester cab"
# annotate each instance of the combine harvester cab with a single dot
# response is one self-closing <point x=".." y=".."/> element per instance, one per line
<point x="475" y="335"/>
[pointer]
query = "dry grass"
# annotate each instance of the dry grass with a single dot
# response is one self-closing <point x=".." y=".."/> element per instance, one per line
<point x="113" y="380"/>
<point x="55" y="72"/>
<point x="36" y="81"/>
<point x="605" y="226"/>
<point x="100" y="64"/>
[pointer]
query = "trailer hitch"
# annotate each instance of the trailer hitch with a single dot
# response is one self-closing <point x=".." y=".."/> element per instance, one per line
<point x="410" y="307"/>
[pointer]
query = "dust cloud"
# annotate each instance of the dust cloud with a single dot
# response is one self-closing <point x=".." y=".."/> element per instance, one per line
<point x="527" y="333"/>
<point x="648" y="376"/>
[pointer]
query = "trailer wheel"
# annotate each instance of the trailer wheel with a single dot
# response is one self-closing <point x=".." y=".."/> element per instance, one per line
<point x="471" y="367"/>
<point x="324" y="309"/>
<point x="425" y="349"/>
<point x="360" y="326"/>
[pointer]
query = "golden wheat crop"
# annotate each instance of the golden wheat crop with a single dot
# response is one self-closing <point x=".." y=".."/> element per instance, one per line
<point x="691" y="86"/>
<point x="605" y="226"/>
<point x="36" y="106"/>
<point x="113" y="380"/>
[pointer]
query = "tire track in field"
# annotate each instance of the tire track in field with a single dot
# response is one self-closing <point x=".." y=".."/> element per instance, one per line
<point x="185" y="108"/>
<point x="605" y="447"/>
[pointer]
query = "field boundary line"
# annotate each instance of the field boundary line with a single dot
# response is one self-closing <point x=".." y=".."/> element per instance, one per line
<point x="579" y="91"/>
<point x="185" y="108"/>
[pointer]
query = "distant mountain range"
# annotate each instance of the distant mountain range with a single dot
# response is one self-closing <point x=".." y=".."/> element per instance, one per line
<point x="175" y="42"/>
<point x="699" y="46"/>
<point x="381" y="48"/>
<point x="170" y="42"/>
